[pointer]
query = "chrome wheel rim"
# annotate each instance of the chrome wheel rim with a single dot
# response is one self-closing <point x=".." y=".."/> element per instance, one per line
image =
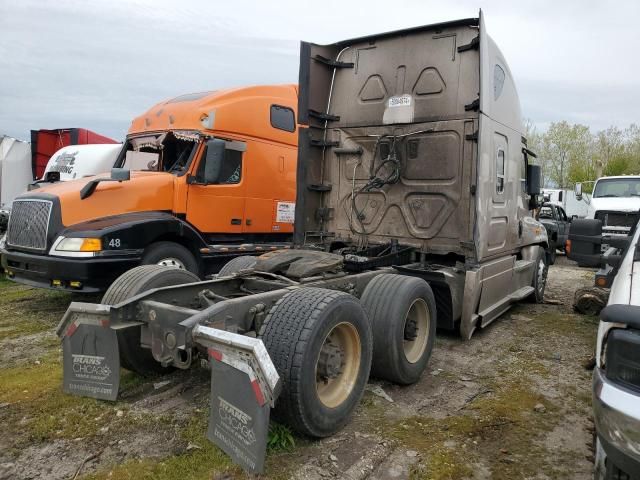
<point x="336" y="377"/>
<point x="542" y="275"/>
<point x="171" y="262"/>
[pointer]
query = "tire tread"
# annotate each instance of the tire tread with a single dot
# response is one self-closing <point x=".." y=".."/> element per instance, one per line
<point x="286" y="333"/>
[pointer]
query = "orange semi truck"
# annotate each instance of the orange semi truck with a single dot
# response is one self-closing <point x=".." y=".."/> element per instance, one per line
<point x="201" y="178"/>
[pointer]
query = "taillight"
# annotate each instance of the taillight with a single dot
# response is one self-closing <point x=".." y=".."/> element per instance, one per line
<point x="567" y="247"/>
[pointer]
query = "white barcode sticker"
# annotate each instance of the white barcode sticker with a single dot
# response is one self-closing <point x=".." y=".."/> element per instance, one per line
<point x="401" y="101"/>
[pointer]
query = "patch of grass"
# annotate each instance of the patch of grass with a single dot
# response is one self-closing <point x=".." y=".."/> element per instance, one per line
<point x="200" y="463"/>
<point x="26" y="311"/>
<point x="24" y="326"/>
<point x="280" y="438"/>
<point x="40" y="411"/>
<point x="30" y="383"/>
<point x="505" y="418"/>
<point x="553" y="322"/>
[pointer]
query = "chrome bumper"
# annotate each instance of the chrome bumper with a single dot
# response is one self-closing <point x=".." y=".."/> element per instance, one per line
<point x="617" y="418"/>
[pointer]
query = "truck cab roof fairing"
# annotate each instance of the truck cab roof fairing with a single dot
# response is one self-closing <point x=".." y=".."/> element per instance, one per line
<point x="499" y="98"/>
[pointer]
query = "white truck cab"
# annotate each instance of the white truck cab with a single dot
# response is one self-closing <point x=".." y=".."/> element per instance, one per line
<point x="615" y="201"/>
<point x="77" y="161"/>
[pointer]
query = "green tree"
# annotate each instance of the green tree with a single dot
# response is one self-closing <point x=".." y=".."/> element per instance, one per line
<point x="571" y="153"/>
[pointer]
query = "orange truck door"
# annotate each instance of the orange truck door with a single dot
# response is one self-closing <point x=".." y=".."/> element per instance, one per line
<point x="271" y="188"/>
<point x="219" y="207"/>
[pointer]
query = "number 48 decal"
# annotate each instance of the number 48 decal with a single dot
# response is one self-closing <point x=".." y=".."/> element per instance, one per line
<point x="114" y="243"/>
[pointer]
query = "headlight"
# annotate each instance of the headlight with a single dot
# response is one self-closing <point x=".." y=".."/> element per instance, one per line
<point x="622" y="365"/>
<point x="76" y="247"/>
<point x="79" y="245"/>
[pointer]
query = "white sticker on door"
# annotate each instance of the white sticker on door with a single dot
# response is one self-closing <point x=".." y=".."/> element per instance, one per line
<point x="285" y="212"/>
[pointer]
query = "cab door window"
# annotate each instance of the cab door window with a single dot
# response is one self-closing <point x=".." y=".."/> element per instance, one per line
<point x="500" y="171"/>
<point x="561" y="214"/>
<point x="231" y="171"/>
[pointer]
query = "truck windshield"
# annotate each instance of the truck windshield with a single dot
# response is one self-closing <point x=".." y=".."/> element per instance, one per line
<point x="617" y="187"/>
<point x="165" y="152"/>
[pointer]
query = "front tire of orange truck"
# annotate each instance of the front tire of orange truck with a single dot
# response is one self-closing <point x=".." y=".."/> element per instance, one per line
<point x="170" y="254"/>
<point x="137" y="280"/>
<point x="320" y="343"/>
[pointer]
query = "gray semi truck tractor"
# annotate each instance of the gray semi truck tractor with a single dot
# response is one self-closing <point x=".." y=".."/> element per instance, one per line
<point x="415" y="189"/>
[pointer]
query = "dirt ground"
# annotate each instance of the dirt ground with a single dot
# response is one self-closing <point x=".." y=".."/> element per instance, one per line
<point x="514" y="402"/>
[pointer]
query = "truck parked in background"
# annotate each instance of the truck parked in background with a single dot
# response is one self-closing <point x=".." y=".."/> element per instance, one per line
<point x="414" y="199"/>
<point x="567" y="200"/>
<point x="201" y="178"/>
<point x="15" y="174"/>
<point x="615" y="201"/>
<point x="44" y="143"/>
<point x="78" y="161"/>
<point x="557" y="224"/>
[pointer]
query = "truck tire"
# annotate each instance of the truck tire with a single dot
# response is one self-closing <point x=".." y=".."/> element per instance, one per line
<point x="170" y="254"/>
<point x="236" y="264"/>
<point x="402" y="312"/>
<point x="137" y="280"/>
<point x="551" y="255"/>
<point x="320" y="343"/>
<point x="539" y="281"/>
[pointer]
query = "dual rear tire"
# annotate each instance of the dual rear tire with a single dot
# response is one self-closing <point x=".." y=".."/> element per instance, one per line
<point x="325" y="344"/>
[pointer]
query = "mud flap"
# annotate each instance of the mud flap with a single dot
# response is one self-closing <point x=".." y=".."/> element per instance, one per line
<point x="244" y="386"/>
<point x="91" y="361"/>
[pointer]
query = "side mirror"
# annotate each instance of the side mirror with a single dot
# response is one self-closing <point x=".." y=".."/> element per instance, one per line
<point x="534" y="186"/>
<point x="213" y="160"/>
<point x="534" y="180"/>
<point x="120" y="174"/>
<point x="585" y="238"/>
<point x="578" y="191"/>
<point x="573" y="217"/>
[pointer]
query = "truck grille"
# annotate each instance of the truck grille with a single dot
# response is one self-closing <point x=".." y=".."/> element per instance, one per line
<point x="28" y="224"/>
<point x="617" y="219"/>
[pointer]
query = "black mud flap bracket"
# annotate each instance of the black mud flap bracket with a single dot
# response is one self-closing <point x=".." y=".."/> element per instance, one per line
<point x="91" y="359"/>
<point x="244" y="386"/>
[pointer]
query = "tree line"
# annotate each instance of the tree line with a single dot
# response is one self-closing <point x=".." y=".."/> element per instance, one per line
<point x="570" y="153"/>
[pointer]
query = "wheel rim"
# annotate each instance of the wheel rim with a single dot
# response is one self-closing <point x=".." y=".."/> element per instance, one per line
<point x="171" y="262"/>
<point x="416" y="330"/>
<point x="542" y="275"/>
<point x="338" y="364"/>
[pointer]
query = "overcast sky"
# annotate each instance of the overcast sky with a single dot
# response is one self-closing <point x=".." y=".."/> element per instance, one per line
<point x="97" y="64"/>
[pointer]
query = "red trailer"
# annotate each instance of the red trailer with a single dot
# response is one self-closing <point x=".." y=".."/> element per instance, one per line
<point x="45" y="143"/>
